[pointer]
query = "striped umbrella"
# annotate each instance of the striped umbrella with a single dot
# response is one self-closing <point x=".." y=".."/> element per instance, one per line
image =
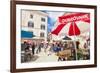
<point x="73" y="25"/>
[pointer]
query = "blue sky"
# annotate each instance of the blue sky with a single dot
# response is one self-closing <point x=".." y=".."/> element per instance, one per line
<point x="52" y="18"/>
<point x="50" y="23"/>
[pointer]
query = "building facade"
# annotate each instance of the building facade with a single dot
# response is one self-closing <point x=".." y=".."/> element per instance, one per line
<point x="36" y="22"/>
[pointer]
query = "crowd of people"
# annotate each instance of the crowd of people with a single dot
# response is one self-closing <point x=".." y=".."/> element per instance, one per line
<point x="35" y="47"/>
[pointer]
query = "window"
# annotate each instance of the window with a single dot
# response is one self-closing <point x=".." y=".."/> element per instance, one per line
<point x="30" y="24"/>
<point x="31" y="16"/>
<point x="43" y="27"/>
<point x="43" y="19"/>
<point x="41" y="34"/>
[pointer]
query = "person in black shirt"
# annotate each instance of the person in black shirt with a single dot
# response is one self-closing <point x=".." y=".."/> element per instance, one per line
<point x="33" y="48"/>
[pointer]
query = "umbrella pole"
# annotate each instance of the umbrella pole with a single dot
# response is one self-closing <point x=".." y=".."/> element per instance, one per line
<point x="75" y="42"/>
<point x="75" y="49"/>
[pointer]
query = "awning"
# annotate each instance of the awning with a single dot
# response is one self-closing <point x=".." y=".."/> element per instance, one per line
<point x="27" y="34"/>
<point x="67" y="38"/>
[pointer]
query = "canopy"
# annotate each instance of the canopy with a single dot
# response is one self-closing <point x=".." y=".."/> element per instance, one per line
<point x="67" y="38"/>
<point x="26" y="34"/>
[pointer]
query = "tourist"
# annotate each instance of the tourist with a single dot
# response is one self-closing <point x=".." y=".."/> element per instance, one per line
<point x="33" y="48"/>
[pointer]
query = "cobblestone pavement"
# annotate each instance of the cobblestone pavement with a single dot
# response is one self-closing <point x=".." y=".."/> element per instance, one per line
<point x="44" y="57"/>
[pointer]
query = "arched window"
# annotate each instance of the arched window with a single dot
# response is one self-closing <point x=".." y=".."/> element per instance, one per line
<point x="30" y="24"/>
